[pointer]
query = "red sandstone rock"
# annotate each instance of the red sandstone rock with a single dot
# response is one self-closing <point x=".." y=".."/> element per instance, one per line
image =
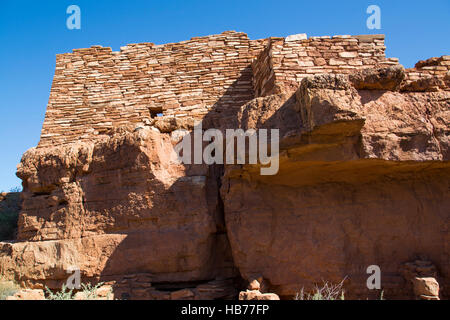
<point x="28" y="294"/>
<point x="181" y="294"/>
<point x="426" y="288"/>
<point x="364" y="174"/>
<point x="122" y="198"/>
<point x="343" y="195"/>
<point x="256" y="295"/>
<point x="388" y="78"/>
<point x="426" y="83"/>
<point x="254" y="285"/>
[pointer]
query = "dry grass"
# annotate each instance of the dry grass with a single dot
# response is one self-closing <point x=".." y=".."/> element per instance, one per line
<point x="328" y="291"/>
<point x="7" y="288"/>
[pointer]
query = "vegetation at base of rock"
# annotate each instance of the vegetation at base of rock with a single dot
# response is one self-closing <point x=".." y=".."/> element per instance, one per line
<point x="88" y="291"/>
<point x="7" y="288"/>
<point x="328" y="291"/>
<point x="101" y="188"/>
<point x="64" y="294"/>
<point x="8" y="225"/>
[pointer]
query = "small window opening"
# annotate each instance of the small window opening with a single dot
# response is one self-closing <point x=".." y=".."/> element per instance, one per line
<point x="158" y="112"/>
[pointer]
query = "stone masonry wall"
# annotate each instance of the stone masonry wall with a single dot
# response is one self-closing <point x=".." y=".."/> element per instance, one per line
<point x="95" y="89"/>
<point x="428" y="75"/>
<point x="286" y="61"/>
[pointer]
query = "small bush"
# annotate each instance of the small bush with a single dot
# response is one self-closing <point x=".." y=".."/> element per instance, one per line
<point x="64" y="294"/>
<point x="327" y="291"/>
<point x="7" y="288"/>
<point x="89" y="292"/>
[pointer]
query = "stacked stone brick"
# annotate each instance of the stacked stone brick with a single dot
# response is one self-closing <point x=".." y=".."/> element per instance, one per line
<point x="96" y="89"/>
<point x="284" y="62"/>
<point x="428" y="75"/>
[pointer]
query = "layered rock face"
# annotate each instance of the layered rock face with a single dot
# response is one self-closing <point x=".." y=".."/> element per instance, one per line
<point x="119" y="206"/>
<point x="363" y="180"/>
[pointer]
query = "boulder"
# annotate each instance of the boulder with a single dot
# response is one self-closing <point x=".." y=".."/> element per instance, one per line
<point x="257" y="295"/>
<point x="28" y="294"/>
<point x="254" y="285"/>
<point x="426" y="288"/>
<point x="387" y="78"/>
<point x="424" y="84"/>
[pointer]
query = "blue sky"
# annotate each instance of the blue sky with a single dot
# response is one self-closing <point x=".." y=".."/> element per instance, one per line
<point x="32" y="32"/>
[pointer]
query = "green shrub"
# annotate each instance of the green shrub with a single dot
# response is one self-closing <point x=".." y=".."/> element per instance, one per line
<point x="7" y="288"/>
<point x="64" y="294"/>
<point x="89" y="292"/>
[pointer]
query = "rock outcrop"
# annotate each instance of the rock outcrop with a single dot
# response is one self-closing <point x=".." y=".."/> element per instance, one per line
<point x="364" y="176"/>
<point x="97" y="205"/>
<point x="363" y="180"/>
<point x="28" y="294"/>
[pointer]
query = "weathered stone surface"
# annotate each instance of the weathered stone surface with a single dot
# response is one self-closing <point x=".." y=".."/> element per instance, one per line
<point x="296" y="37"/>
<point x="421" y="275"/>
<point x="254" y="285"/>
<point x="424" y="84"/>
<point x="257" y="295"/>
<point x="181" y="294"/>
<point x="28" y="294"/>
<point x="322" y="217"/>
<point x="105" y="292"/>
<point x="363" y="175"/>
<point x="426" y="288"/>
<point x="434" y="61"/>
<point x="115" y="206"/>
<point x="388" y="78"/>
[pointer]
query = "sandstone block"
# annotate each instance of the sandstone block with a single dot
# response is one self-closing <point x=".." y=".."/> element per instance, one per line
<point x="296" y="37"/>
<point x="426" y="287"/>
<point x="254" y="285"/>
<point x="351" y="54"/>
<point x="181" y="294"/>
<point x="335" y="62"/>
<point x="29" y="294"/>
<point x="388" y="78"/>
<point x="257" y="295"/>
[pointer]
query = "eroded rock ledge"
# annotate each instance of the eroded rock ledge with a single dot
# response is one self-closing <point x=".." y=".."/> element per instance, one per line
<point x="364" y="180"/>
